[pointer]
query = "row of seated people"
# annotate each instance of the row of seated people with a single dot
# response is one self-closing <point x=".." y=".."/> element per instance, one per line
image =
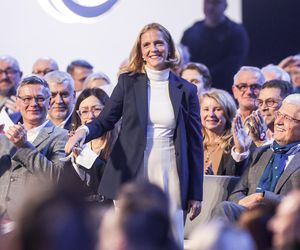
<point x="35" y="151"/>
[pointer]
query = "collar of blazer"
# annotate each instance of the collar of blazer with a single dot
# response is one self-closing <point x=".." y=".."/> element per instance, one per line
<point x="141" y="96"/>
<point x="289" y="170"/>
<point x="44" y="133"/>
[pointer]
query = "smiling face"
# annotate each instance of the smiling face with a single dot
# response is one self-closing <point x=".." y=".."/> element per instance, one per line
<point x="246" y="89"/>
<point x="62" y="101"/>
<point x="89" y="109"/>
<point x="34" y="113"/>
<point x="212" y="115"/>
<point x="287" y="131"/>
<point x="154" y="49"/>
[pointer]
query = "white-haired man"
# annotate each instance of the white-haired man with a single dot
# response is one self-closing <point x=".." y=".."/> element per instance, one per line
<point x="274" y="170"/>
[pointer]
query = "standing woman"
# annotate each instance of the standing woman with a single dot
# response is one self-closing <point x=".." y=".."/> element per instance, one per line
<point x="160" y="137"/>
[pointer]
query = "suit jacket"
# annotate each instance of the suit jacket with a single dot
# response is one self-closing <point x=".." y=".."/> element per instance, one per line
<point x="32" y="163"/>
<point x="229" y="167"/>
<point x="129" y="100"/>
<point x="289" y="180"/>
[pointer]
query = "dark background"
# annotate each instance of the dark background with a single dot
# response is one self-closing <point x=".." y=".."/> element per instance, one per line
<point x="274" y="30"/>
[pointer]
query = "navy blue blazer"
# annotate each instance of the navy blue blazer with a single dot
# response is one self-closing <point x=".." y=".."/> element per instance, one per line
<point x="129" y="100"/>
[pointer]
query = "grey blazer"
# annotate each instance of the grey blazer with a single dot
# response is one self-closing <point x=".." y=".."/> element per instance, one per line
<point x="289" y="180"/>
<point x="33" y="163"/>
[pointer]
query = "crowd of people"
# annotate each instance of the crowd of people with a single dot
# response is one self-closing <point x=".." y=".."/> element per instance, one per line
<point x="84" y="165"/>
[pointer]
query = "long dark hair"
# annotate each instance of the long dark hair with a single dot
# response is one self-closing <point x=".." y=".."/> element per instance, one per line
<point x="110" y="136"/>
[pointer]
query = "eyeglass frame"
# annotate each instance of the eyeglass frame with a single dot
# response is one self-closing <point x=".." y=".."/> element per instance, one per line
<point x="11" y="73"/>
<point x="286" y="117"/>
<point x="92" y="110"/>
<point x="253" y="86"/>
<point x="35" y="98"/>
<point x="276" y="101"/>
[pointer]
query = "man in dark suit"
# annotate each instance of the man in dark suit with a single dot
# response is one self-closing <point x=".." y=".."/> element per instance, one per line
<point x="274" y="170"/>
<point x="62" y="101"/>
<point x="30" y="152"/>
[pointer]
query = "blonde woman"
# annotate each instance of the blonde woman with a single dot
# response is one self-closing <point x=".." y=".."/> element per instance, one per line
<point x="217" y="112"/>
<point x="160" y="138"/>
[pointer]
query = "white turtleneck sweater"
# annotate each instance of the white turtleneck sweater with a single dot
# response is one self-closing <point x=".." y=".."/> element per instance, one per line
<point x="161" y="119"/>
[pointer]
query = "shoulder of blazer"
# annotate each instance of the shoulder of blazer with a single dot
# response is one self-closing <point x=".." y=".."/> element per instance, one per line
<point x="182" y="83"/>
<point x="132" y="77"/>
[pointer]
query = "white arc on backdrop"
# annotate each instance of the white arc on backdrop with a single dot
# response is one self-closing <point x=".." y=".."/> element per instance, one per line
<point x="77" y="11"/>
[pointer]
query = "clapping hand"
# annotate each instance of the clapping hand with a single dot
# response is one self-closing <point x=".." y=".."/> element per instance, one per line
<point x="241" y="139"/>
<point x="17" y="134"/>
<point x="257" y="128"/>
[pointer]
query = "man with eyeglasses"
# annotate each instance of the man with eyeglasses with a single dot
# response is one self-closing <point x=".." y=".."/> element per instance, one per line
<point x="30" y="153"/>
<point x="247" y="84"/>
<point x="274" y="170"/>
<point x="62" y="99"/>
<point x="44" y="65"/>
<point x="10" y="76"/>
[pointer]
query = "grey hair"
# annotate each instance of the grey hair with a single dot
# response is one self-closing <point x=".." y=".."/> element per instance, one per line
<point x="34" y="80"/>
<point x="257" y="71"/>
<point x="11" y="60"/>
<point x="292" y="99"/>
<point x="53" y="63"/>
<point x="279" y="72"/>
<point x="96" y="76"/>
<point x="60" y="77"/>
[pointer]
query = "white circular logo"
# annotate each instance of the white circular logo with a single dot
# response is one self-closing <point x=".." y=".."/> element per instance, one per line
<point x="76" y="11"/>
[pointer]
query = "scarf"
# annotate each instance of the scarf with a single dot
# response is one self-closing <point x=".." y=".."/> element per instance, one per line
<point x="276" y="166"/>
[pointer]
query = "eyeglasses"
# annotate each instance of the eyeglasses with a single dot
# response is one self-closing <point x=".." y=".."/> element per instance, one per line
<point x="244" y="86"/>
<point x="286" y="117"/>
<point x="9" y="71"/>
<point x="270" y="102"/>
<point x="84" y="113"/>
<point x="38" y="99"/>
<point x="42" y="72"/>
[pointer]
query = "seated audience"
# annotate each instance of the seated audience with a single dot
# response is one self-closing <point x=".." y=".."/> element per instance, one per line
<point x="44" y="65"/>
<point x="217" y="111"/>
<point x="286" y="223"/>
<point x="274" y="170"/>
<point x="197" y="74"/>
<point x="62" y="99"/>
<point x="79" y="70"/>
<point x="247" y="83"/>
<point x="30" y="152"/>
<point x="141" y="220"/>
<point x="98" y="80"/>
<point x="10" y="76"/>
<point x="218" y="235"/>
<point x="88" y="107"/>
